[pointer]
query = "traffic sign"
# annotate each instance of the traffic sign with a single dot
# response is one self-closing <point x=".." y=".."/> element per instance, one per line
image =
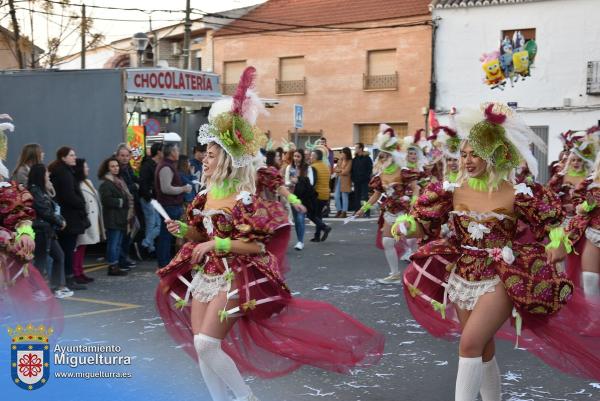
<point x="298" y="116"/>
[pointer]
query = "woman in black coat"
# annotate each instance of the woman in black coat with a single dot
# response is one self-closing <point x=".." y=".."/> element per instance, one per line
<point x="117" y="208"/>
<point x="47" y="222"/>
<point x="72" y="207"/>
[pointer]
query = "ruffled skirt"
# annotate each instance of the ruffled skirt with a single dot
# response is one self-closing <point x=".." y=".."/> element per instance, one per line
<point x="564" y="334"/>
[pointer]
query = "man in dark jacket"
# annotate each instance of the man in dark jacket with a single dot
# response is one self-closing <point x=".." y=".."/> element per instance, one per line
<point x="169" y="190"/>
<point x="151" y="216"/>
<point x="362" y="168"/>
<point x="123" y="155"/>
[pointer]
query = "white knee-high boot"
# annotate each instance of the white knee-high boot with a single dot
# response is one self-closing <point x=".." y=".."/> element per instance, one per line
<point x="591" y="284"/>
<point x="468" y="378"/>
<point x="490" y="382"/>
<point x="389" y="249"/>
<point x="210" y="352"/>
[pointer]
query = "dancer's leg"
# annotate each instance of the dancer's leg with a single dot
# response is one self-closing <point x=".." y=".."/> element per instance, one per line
<point x="590" y="264"/>
<point x="208" y="346"/>
<point x="490" y="312"/>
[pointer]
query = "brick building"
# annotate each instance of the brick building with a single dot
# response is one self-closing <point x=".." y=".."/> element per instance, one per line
<point x="351" y="64"/>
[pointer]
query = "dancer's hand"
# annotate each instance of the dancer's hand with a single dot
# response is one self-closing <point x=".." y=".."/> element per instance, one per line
<point x="201" y="250"/>
<point x="172" y="226"/>
<point x="556" y="255"/>
<point x="300" y="208"/>
<point x="359" y="213"/>
<point x="24" y="245"/>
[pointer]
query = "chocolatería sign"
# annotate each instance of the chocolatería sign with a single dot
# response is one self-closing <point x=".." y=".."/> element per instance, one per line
<point x="170" y="81"/>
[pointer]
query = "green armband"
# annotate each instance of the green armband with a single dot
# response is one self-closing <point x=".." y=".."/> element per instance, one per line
<point x="366" y="207"/>
<point x="588" y="207"/>
<point x="558" y="237"/>
<point x="404" y="218"/>
<point x="183" y="229"/>
<point x="25" y="230"/>
<point x="222" y="245"/>
<point x="293" y="199"/>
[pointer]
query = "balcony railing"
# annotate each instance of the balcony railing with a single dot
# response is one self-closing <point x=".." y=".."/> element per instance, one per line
<point x="229" y="89"/>
<point x="297" y="87"/>
<point x="375" y="82"/>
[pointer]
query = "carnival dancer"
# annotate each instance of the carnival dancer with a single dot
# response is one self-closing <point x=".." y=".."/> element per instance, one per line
<point x="483" y="272"/>
<point x="584" y="231"/>
<point x="24" y="295"/>
<point x="241" y="315"/>
<point x="393" y="188"/>
<point x="581" y="156"/>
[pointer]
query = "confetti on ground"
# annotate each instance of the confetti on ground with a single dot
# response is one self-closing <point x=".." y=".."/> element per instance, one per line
<point x="324" y="288"/>
<point x="317" y="392"/>
<point x="512" y="377"/>
<point x="441" y="363"/>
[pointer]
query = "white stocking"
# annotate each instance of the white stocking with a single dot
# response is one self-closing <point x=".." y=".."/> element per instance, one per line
<point x="490" y="381"/>
<point x="468" y="378"/>
<point x="591" y="283"/>
<point x="216" y="386"/>
<point x="209" y="351"/>
<point x="389" y="248"/>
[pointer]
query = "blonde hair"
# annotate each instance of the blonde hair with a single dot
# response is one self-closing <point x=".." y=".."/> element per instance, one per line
<point x="495" y="178"/>
<point x="245" y="176"/>
<point x="572" y="155"/>
<point x="378" y="166"/>
<point x="596" y="173"/>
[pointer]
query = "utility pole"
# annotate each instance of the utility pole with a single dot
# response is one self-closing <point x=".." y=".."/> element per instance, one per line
<point x="15" y="24"/>
<point x="186" y="36"/>
<point x="83" y="31"/>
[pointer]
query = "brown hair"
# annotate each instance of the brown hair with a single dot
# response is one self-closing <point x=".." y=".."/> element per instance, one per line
<point x="30" y="154"/>
<point x="60" y="153"/>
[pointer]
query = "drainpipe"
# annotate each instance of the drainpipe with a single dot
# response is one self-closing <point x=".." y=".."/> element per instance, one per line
<point x="432" y="79"/>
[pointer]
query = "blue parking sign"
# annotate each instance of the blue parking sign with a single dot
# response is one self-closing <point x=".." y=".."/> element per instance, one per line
<point x="298" y="116"/>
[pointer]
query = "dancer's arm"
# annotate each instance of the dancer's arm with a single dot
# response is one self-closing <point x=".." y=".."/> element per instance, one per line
<point x="225" y="246"/>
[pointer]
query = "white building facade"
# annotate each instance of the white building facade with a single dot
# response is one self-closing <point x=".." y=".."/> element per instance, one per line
<point x="562" y="92"/>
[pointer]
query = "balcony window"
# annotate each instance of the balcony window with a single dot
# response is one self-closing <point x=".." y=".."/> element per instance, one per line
<point x="232" y="71"/>
<point x="292" y="80"/>
<point x="381" y="70"/>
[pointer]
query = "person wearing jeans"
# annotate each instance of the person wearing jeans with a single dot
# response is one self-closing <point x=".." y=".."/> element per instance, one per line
<point x="322" y="189"/>
<point x="117" y="204"/>
<point x="343" y="184"/>
<point x="151" y="216"/>
<point x="299" y="178"/>
<point x="169" y="191"/>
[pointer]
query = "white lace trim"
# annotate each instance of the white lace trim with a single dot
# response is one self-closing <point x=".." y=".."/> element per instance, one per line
<point x="205" y="137"/>
<point x="207" y="217"/>
<point x="465" y="294"/>
<point x="480" y="216"/>
<point x="593" y="185"/>
<point x="593" y="235"/>
<point x="522" y="188"/>
<point x="390" y="218"/>
<point x="205" y="288"/>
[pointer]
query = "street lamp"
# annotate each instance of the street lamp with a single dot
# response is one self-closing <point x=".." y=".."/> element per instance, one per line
<point x="140" y="41"/>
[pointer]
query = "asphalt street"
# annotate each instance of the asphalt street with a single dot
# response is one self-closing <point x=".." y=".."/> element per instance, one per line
<point x="415" y="366"/>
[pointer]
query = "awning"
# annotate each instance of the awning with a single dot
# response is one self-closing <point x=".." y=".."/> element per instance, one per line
<point x="156" y="103"/>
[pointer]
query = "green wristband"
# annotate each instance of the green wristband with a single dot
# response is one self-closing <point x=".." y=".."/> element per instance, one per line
<point x="557" y="237"/>
<point x="222" y="245"/>
<point x="404" y="218"/>
<point x="183" y="229"/>
<point x="25" y="230"/>
<point x="293" y="199"/>
<point x="366" y="207"/>
<point x="588" y="207"/>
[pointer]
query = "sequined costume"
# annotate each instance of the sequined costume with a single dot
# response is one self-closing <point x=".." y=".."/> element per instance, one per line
<point x="24" y="295"/>
<point x="268" y="181"/>
<point x="479" y="254"/>
<point x="276" y="333"/>
<point x="564" y="185"/>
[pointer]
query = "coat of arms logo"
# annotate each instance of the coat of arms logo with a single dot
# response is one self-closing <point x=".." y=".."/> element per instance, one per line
<point x="30" y="355"/>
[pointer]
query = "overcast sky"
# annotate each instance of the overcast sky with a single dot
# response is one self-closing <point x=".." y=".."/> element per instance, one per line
<point x="44" y="25"/>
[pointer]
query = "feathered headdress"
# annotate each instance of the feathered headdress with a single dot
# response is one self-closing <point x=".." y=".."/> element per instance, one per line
<point x="569" y="138"/>
<point x="287" y="145"/>
<point x="586" y="146"/>
<point x="445" y="136"/>
<point x="387" y="141"/>
<point x="500" y="137"/>
<point x="231" y="122"/>
<point x="5" y="126"/>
